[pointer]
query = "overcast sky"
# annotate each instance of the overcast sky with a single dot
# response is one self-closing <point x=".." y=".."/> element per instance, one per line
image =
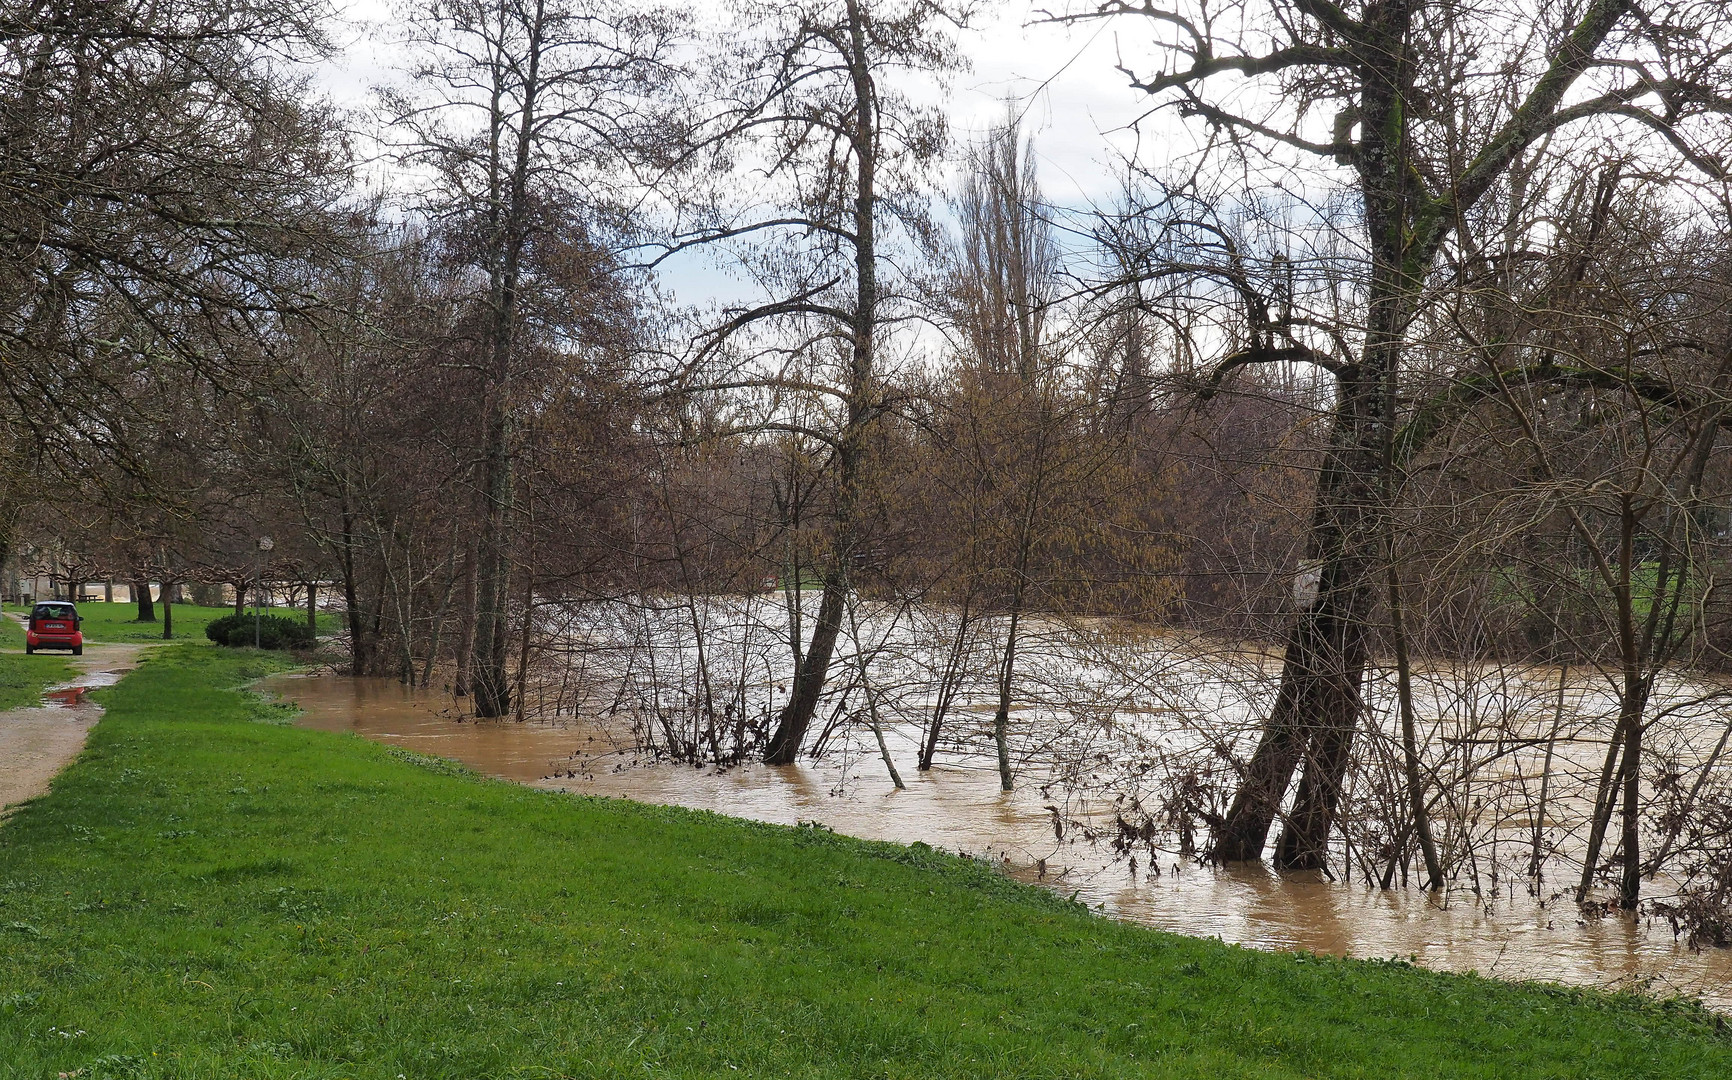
<point x="1076" y="105"/>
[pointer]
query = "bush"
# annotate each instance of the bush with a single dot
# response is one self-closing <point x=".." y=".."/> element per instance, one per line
<point x="218" y="629"/>
<point x="273" y="632"/>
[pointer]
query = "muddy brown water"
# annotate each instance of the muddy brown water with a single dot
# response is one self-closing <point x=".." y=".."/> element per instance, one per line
<point x="1510" y="936"/>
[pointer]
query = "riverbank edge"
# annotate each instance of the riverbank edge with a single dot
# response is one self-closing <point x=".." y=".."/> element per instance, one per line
<point x="203" y="894"/>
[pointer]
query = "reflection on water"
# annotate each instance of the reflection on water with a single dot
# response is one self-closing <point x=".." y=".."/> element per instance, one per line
<point x="1509" y="935"/>
<point x="71" y="695"/>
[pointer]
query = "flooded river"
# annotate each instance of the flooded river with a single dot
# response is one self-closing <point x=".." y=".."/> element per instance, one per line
<point x="1509" y="934"/>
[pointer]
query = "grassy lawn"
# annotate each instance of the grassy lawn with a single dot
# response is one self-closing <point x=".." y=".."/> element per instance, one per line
<point x="117" y="622"/>
<point x="23" y="678"/>
<point x="208" y="895"/>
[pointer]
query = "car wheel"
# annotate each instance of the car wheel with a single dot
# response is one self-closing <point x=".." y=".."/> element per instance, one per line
<point x="29" y="650"/>
<point x="78" y="650"/>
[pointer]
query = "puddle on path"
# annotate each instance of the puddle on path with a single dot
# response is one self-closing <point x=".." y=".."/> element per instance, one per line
<point x="1510" y="935"/>
<point x="71" y="695"/>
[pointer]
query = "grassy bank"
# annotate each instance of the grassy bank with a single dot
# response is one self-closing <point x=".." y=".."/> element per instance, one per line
<point x="205" y="895"/>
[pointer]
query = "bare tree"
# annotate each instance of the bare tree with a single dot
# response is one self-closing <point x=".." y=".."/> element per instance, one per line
<point x="1007" y="263"/>
<point x="1424" y="138"/>
<point x="839" y="156"/>
<point x="166" y="173"/>
<point x="529" y="116"/>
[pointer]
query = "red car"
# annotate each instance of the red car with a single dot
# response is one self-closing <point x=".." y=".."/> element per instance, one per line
<point x="54" y="625"/>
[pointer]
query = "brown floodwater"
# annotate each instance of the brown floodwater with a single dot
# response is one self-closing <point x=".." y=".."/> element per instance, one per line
<point x="1510" y="934"/>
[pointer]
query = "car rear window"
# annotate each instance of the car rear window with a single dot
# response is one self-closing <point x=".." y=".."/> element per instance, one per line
<point x="54" y="611"/>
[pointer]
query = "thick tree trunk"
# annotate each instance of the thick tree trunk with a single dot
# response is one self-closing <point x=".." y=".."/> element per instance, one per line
<point x="141" y="594"/>
<point x="312" y="607"/>
<point x="360" y="645"/>
<point x="1245" y="830"/>
<point x="1605" y="798"/>
<point x="1635" y="704"/>
<point x="1630" y="889"/>
<point x="1316" y="710"/>
<point x="1317" y="707"/>
<point x="167" y="613"/>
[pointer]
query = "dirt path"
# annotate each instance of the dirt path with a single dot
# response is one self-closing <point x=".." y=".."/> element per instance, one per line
<point x="36" y="743"/>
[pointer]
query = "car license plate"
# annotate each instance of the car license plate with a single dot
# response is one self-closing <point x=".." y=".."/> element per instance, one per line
<point x="54" y="626"/>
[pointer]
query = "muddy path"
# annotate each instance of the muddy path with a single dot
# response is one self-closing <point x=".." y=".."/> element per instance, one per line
<point x="37" y="742"/>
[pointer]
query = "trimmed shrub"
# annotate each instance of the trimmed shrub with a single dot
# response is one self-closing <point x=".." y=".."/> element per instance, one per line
<point x="273" y="632"/>
<point x="218" y="629"/>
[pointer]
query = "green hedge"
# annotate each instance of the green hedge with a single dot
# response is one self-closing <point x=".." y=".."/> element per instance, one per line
<point x="268" y="631"/>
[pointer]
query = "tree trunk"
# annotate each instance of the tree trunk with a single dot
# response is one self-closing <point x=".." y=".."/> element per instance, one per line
<point x="1536" y="863"/>
<point x="809" y="678"/>
<point x="813" y="668"/>
<point x="490" y="679"/>
<point x="864" y="662"/>
<point x="949" y="681"/>
<point x="167" y="612"/>
<point x="439" y="618"/>
<point x="312" y="607"/>
<point x="1410" y="735"/>
<point x="360" y="646"/>
<point x="1630" y="890"/>
<point x="1635" y="705"/>
<point x="1001" y="716"/>
<point x="141" y="594"/>
<point x="465" y="624"/>
<point x="1605" y="798"/>
<point x="523" y="646"/>
<point x="1317" y="708"/>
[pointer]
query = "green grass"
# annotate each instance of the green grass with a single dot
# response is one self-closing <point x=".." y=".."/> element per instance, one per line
<point x="23" y="678"/>
<point x="207" y="895"/>
<point x="118" y="622"/>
